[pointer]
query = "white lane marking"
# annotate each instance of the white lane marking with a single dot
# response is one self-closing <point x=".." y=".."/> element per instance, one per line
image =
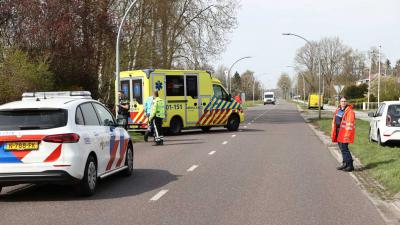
<point x="212" y="152"/>
<point x="159" y="195"/>
<point x="245" y="127"/>
<point x="225" y="142"/>
<point x="233" y="135"/>
<point x="249" y="123"/>
<point x="192" y="168"/>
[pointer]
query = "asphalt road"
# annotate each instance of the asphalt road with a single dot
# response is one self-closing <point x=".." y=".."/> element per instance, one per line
<point x="273" y="171"/>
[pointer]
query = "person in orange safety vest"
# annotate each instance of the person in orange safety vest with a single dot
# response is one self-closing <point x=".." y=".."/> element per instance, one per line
<point x="343" y="131"/>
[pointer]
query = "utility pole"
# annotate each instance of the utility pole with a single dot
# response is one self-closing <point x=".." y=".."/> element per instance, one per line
<point x="379" y="76"/>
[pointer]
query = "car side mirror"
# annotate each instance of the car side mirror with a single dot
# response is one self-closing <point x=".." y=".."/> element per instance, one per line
<point x="121" y="122"/>
<point x="371" y="114"/>
<point x="229" y="98"/>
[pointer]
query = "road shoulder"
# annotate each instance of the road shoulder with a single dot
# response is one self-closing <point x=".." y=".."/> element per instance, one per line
<point x="388" y="209"/>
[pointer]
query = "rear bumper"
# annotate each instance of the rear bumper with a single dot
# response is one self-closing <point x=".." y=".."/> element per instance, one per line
<point x="391" y="135"/>
<point x="54" y="176"/>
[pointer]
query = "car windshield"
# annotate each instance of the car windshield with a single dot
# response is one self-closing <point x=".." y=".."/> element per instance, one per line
<point x="269" y="96"/>
<point x="32" y="119"/>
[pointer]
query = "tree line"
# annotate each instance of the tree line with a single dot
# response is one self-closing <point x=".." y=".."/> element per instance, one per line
<point x="70" y="44"/>
<point x="342" y="65"/>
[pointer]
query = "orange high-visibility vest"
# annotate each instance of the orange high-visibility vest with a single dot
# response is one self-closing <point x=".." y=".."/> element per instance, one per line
<point x="347" y="128"/>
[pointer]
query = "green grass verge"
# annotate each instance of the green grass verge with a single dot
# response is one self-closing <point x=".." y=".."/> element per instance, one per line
<point x="382" y="163"/>
<point x="137" y="137"/>
<point x="249" y="103"/>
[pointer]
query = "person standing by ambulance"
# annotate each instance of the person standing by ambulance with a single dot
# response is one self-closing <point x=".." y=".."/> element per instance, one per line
<point x="343" y="131"/>
<point x="147" y="111"/>
<point x="123" y="108"/>
<point x="157" y="115"/>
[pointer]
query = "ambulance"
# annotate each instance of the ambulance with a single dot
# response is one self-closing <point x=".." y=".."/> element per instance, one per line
<point x="193" y="99"/>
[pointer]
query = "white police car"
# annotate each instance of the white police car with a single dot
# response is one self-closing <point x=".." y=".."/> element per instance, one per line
<point x="385" y="123"/>
<point x="61" y="137"/>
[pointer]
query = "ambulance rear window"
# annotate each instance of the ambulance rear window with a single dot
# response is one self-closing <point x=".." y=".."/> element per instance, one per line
<point x="32" y="119"/>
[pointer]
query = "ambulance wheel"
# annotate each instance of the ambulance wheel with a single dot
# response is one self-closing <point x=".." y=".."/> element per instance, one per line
<point x="233" y="123"/>
<point x="175" y="126"/>
<point x="205" y="129"/>
<point x="129" y="162"/>
<point x="87" y="185"/>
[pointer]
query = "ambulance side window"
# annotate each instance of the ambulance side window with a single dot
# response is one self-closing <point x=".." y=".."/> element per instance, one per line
<point x="191" y="86"/>
<point x="175" y="86"/>
<point x="219" y="92"/>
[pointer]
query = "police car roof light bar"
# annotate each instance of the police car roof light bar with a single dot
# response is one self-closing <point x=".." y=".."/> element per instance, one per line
<point x="59" y="94"/>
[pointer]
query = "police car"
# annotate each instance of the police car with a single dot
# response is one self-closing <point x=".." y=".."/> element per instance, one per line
<point x="61" y="137"/>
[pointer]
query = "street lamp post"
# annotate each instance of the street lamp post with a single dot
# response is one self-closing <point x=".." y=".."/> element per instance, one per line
<point x="254" y="84"/>
<point x="304" y="85"/>
<point x="229" y="71"/>
<point x="117" y="45"/>
<point x="379" y="76"/>
<point x="319" y="71"/>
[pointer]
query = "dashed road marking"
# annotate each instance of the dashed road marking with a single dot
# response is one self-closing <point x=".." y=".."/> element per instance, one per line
<point x="245" y="127"/>
<point x="212" y="152"/>
<point x="192" y="168"/>
<point x="225" y="142"/>
<point x="233" y="135"/>
<point x="249" y="123"/>
<point x="159" y="195"/>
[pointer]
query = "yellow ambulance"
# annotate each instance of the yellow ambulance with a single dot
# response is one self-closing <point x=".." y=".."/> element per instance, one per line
<point x="313" y="101"/>
<point x="193" y="99"/>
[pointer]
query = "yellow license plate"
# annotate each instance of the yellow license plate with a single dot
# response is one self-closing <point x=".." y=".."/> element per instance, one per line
<point x="22" y="145"/>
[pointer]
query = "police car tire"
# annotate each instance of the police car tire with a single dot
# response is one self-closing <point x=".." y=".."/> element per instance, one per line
<point x="0" y="189"/>
<point x="84" y="186"/>
<point x="233" y="123"/>
<point x="129" y="162"/>
<point x="379" y="139"/>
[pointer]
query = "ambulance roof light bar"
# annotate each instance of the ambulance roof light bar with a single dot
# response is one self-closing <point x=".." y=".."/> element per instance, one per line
<point x="57" y="94"/>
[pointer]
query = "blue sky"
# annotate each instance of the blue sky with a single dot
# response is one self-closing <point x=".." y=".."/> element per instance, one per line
<point x="359" y="24"/>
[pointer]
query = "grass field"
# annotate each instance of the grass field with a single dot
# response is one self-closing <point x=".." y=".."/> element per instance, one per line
<point x="382" y="163"/>
<point x="137" y="137"/>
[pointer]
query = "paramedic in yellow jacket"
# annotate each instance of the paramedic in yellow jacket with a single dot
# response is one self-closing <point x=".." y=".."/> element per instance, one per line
<point x="157" y="115"/>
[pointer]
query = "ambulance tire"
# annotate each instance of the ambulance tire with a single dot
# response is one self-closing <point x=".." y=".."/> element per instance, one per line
<point x="129" y="162"/>
<point x="205" y="129"/>
<point x="233" y="123"/>
<point x="87" y="186"/>
<point x="175" y="126"/>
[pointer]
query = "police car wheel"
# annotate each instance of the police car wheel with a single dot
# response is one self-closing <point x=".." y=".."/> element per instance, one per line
<point x="175" y="126"/>
<point x="379" y="139"/>
<point x="129" y="161"/>
<point x="233" y="123"/>
<point x="87" y="185"/>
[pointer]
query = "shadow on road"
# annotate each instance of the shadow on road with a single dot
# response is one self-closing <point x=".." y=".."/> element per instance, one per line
<point x="373" y="165"/>
<point x="144" y="180"/>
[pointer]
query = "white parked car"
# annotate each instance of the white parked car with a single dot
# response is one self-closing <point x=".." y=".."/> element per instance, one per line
<point x="385" y="123"/>
<point x="61" y="137"/>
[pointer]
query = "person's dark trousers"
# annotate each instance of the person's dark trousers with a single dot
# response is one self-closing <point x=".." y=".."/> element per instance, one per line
<point x="149" y="131"/>
<point x="158" y="130"/>
<point x="346" y="155"/>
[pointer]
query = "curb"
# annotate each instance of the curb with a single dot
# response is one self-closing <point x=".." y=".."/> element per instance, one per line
<point x="389" y="210"/>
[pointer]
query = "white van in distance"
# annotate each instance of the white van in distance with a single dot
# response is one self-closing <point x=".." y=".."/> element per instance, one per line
<point x="269" y="97"/>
